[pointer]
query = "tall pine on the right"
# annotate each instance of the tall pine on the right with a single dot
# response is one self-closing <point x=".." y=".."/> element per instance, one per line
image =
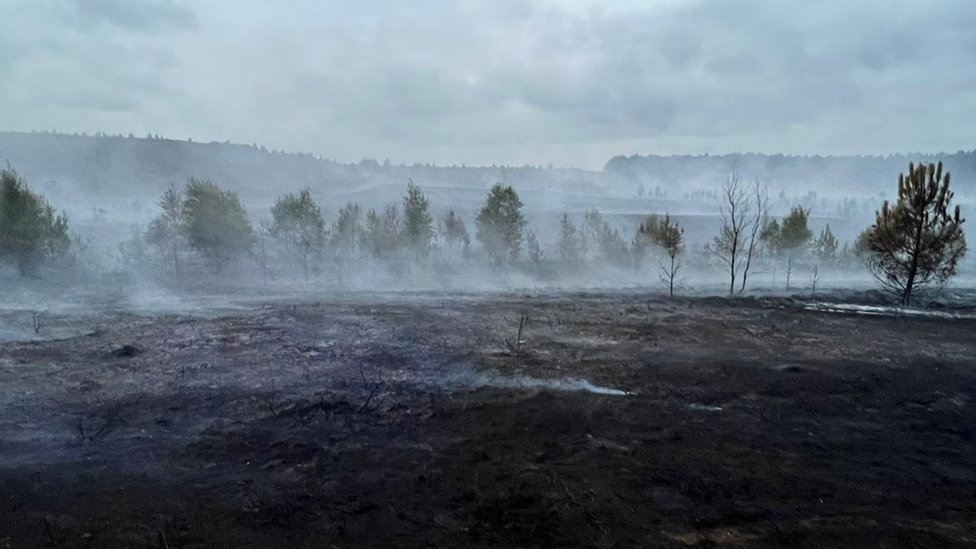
<point x="917" y="242"/>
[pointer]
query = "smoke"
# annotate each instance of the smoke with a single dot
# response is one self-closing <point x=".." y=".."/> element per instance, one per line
<point x="880" y="310"/>
<point x="92" y="178"/>
<point x="478" y="380"/>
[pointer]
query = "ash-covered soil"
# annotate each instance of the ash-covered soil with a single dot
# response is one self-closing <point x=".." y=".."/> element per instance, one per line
<point x="423" y="422"/>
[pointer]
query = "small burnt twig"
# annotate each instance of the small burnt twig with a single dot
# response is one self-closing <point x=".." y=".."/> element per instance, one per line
<point x="404" y="516"/>
<point x="372" y="389"/>
<point x="369" y="398"/>
<point x="516" y="348"/>
<point x="163" y="544"/>
<point x="269" y="400"/>
<point x="37" y="324"/>
<point x="111" y="418"/>
<point x="50" y="533"/>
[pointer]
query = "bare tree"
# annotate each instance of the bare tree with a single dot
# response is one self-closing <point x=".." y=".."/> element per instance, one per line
<point x="731" y="243"/>
<point x="760" y="199"/>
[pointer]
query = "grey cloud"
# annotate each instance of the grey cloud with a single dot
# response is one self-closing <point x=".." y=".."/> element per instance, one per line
<point x="98" y="101"/>
<point x="140" y="15"/>
<point x="384" y="79"/>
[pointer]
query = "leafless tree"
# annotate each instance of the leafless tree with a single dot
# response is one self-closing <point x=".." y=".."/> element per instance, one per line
<point x="743" y="212"/>
<point x="760" y="200"/>
<point x="736" y="224"/>
<point x="516" y="347"/>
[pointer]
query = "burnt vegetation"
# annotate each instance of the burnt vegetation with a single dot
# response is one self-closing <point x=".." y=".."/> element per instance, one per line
<point x="759" y="425"/>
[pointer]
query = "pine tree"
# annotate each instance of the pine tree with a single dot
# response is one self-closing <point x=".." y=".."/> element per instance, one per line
<point x="668" y="236"/>
<point x="794" y="238"/>
<point x="371" y="237"/>
<point x="500" y="224"/>
<point x="534" y="248"/>
<point x="456" y="234"/>
<point x="606" y="240"/>
<point x="299" y="225"/>
<point x="918" y="241"/>
<point x="132" y="251"/>
<point x="789" y="238"/>
<point x="644" y="238"/>
<point x="216" y="224"/>
<point x="30" y="231"/>
<point x="826" y="245"/>
<point x="347" y="231"/>
<point x="167" y="232"/>
<point x="383" y="231"/>
<point x="769" y="236"/>
<point x="418" y="224"/>
<point x="569" y="240"/>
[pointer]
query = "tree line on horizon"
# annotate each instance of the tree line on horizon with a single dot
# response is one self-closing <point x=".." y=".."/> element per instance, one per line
<point x="915" y="242"/>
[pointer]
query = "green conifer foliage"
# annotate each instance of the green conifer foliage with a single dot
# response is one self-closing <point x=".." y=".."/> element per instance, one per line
<point x="917" y="241"/>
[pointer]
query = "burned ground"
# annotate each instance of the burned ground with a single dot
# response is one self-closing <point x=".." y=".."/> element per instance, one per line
<point x="412" y="422"/>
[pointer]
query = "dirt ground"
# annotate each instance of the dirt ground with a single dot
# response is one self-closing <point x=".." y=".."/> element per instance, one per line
<point x="421" y="421"/>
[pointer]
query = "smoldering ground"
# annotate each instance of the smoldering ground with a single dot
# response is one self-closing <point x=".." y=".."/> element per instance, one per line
<point x="419" y="420"/>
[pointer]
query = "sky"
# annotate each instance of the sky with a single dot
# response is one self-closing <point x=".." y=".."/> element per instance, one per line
<point x="483" y="82"/>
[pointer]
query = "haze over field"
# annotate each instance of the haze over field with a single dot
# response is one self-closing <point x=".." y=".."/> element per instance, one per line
<point x="629" y="108"/>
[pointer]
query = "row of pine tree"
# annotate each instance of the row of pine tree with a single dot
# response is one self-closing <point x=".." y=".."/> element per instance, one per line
<point x="916" y="242"/>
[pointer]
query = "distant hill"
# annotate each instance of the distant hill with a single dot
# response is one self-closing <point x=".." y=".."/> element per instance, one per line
<point x="109" y="169"/>
<point x="834" y="175"/>
<point x="124" y="176"/>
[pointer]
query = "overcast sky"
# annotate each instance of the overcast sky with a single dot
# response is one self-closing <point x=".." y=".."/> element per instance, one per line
<point x="499" y="81"/>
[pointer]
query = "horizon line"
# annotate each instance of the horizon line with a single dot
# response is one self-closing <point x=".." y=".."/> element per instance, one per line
<point x="549" y="166"/>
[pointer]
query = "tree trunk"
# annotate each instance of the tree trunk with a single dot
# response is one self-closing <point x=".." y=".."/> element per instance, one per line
<point x="745" y="271"/>
<point x="671" y="279"/>
<point x="24" y="265"/>
<point x="733" y="256"/>
<point x="906" y="297"/>
<point x="789" y="270"/>
<point x="264" y="260"/>
<point x="732" y="275"/>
